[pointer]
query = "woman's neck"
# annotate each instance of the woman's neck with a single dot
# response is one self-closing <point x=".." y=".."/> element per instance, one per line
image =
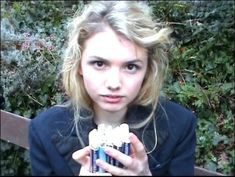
<point x="111" y="118"/>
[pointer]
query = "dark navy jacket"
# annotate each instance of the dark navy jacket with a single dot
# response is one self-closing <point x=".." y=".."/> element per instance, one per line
<point x="52" y="140"/>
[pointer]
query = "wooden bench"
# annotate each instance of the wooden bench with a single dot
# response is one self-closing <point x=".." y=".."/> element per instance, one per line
<point x="14" y="129"/>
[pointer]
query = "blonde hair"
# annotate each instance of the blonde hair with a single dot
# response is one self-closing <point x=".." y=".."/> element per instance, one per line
<point x="132" y="20"/>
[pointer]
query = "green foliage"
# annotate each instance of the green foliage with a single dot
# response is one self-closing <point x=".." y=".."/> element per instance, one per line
<point x="14" y="160"/>
<point x="32" y="41"/>
<point x="201" y="74"/>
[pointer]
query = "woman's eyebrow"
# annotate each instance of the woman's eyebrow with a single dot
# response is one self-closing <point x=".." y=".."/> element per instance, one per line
<point x="99" y="58"/>
<point x="106" y="60"/>
<point x="134" y="61"/>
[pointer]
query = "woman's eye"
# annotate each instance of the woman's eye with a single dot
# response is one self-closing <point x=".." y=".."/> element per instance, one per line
<point x="99" y="64"/>
<point x="132" y="68"/>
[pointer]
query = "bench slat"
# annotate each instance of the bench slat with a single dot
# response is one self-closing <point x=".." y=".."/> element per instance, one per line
<point x="14" y="129"/>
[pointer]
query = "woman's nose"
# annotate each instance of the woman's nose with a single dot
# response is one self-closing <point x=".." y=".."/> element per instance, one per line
<point x="113" y="81"/>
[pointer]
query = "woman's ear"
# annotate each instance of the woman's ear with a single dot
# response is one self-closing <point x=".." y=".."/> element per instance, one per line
<point x="80" y="69"/>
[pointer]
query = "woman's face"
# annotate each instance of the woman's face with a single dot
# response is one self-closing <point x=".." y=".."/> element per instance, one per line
<point x="113" y="70"/>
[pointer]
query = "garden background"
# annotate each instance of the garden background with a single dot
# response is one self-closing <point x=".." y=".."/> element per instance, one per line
<point x="201" y="73"/>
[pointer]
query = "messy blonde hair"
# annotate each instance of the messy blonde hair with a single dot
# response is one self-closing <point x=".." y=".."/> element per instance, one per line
<point x="132" y="20"/>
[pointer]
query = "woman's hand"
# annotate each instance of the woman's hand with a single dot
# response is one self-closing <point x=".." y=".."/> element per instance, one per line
<point x="82" y="156"/>
<point x="135" y="165"/>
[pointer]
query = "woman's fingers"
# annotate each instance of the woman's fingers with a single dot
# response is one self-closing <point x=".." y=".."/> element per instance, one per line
<point x="139" y="153"/>
<point x="116" y="171"/>
<point x="82" y="156"/>
<point x="137" y="146"/>
<point x="124" y="159"/>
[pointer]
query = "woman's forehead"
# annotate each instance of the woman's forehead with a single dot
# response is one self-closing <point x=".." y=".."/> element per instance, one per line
<point x="108" y="44"/>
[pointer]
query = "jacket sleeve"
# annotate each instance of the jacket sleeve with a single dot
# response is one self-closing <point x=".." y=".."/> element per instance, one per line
<point x="39" y="163"/>
<point x="184" y="157"/>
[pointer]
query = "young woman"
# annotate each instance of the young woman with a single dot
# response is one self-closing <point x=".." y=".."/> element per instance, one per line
<point x="113" y="71"/>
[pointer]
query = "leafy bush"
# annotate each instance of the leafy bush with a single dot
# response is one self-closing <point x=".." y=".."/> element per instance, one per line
<point x="200" y="75"/>
<point x="32" y="41"/>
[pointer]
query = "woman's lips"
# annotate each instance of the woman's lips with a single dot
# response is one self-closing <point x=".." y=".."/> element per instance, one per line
<point x="112" y="98"/>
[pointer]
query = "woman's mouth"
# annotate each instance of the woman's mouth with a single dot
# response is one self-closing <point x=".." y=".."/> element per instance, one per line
<point x="114" y="99"/>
